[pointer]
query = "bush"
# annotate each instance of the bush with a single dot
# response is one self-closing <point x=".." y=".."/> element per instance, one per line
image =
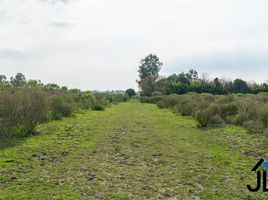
<point x="98" y="107"/>
<point x="254" y="126"/>
<point x="186" y="108"/>
<point x="229" y="109"/>
<point x="156" y="93"/>
<point x="117" y="98"/>
<point x="145" y="99"/>
<point x="169" y="101"/>
<point x="61" y="107"/>
<point x="22" y="110"/>
<point x="101" y="102"/>
<point x="86" y="100"/>
<point x="202" y="116"/>
<point x="262" y="115"/>
<point x="216" y="120"/>
<point x="24" y="106"/>
<point x="250" y="111"/>
<point x="241" y="117"/>
<point x="160" y="104"/>
<point x="33" y="108"/>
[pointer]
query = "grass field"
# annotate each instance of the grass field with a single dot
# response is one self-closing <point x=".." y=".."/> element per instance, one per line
<point x="130" y="151"/>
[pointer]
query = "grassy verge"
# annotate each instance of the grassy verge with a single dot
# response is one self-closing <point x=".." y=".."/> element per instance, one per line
<point x="130" y="151"/>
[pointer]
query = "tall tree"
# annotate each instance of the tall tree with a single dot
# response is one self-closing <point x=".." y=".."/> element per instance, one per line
<point x="18" y="80"/>
<point x="192" y="74"/>
<point x="148" y="73"/>
<point x="3" y="79"/>
<point x="241" y="86"/>
<point x="149" y="66"/>
<point x="217" y="87"/>
<point x="130" y="92"/>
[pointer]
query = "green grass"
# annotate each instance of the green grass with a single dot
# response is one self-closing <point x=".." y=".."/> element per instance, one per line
<point x="130" y="151"/>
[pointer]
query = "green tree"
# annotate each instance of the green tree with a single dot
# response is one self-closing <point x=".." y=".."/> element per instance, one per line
<point x="19" y="80"/>
<point x="192" y="74"/>
<point x="3" y="79"/>
<point x="240" y="86"/>
<point x="217" y="87"/>
<point x="148" y="73"/>
<point x="149" y="66"/>
<point x="33" y="83"/>
<point x="130" y="92"/>
<point x="148" y="85"/>
<point x="52" y="87"/>
<point x="161" y="85"/>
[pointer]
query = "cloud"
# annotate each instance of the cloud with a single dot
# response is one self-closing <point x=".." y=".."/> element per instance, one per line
<point x="58" y="1"/>
<point x="12" y="54"/>
<point x="226" y="60"/>
<point x="85" y="38"/>
<point x="61" y="24"/>
<point x="246" y="64"/>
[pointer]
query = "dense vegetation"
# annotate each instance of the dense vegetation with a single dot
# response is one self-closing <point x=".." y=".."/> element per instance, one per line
<point x="250" y="111"/>
<point x="26" y="103"/>
<point x="182" y="83"/>
<point x="131" y="151"/>
<point x="211" y="102"/>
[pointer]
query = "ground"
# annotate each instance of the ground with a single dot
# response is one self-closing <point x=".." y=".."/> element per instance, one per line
<point x="130" y="151"/>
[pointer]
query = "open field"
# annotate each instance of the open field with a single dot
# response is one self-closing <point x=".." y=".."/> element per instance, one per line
<point x="130" y="151"/>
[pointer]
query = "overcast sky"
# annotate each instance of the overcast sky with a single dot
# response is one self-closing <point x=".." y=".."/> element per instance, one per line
<point x="97" y="44"/>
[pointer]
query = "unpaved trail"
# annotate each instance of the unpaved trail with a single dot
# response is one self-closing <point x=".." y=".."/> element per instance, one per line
<point x="130" y="151"/>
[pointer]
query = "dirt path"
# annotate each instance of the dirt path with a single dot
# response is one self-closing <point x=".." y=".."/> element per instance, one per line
<point x="130" y="151"/>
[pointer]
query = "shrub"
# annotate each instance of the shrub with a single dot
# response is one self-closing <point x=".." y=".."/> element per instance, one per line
<point x="186" y="108"/>
<point x="116" y="98"/>
<point x="221" y="100"/>
<point x="170" y="100"/>
<point x="8" y="115"/>
<point x="98" y="107"/>
<point x="33" y="108"/>
<point x="101" y="102"/>
<point x="216" y="120"/>
<point x="156" y="93"/>
<point x="213" y="109"/>
<point x="22" y="110"/>
<point x="262" y="115"/>
<point x="241" y="117"/>
<point x="61" y="106"/>
<point x="160" y="104"/>
<point x="229" y="109"/>
<point x="202" y="116"/>
<point x="254" y="126"/>
<point x="250" y="111"/>
<point x="146" y="99"/>
<point x="86" y="100"/>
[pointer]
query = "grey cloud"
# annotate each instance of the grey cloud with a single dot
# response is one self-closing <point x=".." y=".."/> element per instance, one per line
<point x="107" y="35"/>
<point x="225" y="61"/>
<point x="12" y="54"/>
<point x="250" y="65"/>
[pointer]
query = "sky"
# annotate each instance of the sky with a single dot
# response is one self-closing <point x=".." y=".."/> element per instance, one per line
<point x="97" y="44"/>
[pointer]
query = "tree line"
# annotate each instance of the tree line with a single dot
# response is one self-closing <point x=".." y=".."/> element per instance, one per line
<point x="150" y="81"/>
